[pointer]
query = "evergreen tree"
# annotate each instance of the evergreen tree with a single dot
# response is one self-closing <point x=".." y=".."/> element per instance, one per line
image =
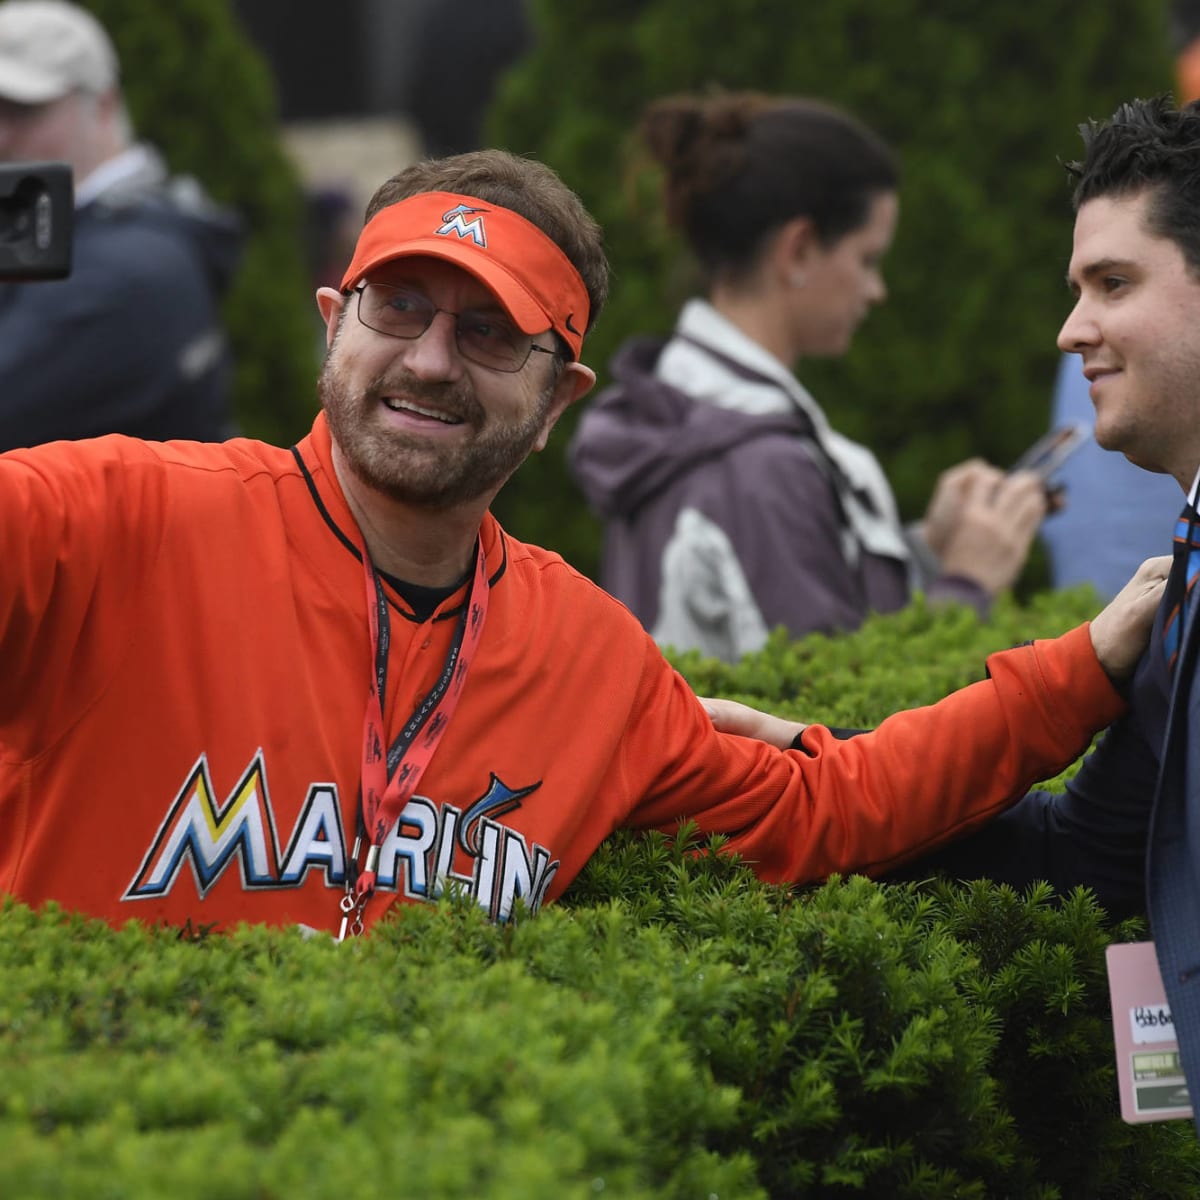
<point x="197" y="88"/>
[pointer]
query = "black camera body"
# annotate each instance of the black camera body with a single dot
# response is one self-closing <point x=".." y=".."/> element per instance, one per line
<point x="37" y="210"/>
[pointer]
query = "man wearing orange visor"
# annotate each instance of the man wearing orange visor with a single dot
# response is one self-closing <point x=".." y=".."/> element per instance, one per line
<point x="245" y="683"/>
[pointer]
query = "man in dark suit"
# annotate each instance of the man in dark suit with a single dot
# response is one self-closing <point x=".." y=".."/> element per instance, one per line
<point x="1128" y="824"/>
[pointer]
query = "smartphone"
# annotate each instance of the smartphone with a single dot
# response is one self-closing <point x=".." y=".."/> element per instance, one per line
<point x="37" y="211"/>
<point x="1050" y="451"/>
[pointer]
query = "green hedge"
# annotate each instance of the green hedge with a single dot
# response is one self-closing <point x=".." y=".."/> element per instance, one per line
<point x="980" y="99"/>
<point x="198" y="89"/>
<point x="699" y="1034"/>
<point x="672" y="1028"/>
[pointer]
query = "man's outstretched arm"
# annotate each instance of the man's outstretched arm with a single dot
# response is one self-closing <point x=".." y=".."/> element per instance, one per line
<point x="1119" y="635"/>
<point x="1094" y="834"/>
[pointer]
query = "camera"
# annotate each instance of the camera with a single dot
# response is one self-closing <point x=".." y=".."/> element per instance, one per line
<point x="37" y="210"/>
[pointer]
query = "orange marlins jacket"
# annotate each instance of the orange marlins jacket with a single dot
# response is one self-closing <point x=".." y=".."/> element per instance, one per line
<point x="184" y="668"/>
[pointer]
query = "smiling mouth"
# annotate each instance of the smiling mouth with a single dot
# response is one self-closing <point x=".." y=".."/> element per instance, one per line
<point x="432" y="414"/>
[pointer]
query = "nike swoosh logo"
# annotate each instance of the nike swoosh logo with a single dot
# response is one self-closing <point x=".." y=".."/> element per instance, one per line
<point x="569" y="326"/>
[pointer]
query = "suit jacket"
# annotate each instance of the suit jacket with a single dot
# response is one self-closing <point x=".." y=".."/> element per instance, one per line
<point x="1173" y="859"/>
<point x="1127" y="826"/>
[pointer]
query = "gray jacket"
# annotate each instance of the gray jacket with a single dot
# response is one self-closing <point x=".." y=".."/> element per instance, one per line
<point x="731" y="507"/>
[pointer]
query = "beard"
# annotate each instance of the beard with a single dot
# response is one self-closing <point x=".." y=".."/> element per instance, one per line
<point x="414" y="470"/>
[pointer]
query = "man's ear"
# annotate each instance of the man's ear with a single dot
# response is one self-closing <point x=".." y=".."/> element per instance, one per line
<point x="574" y="382"/>
<point x="330" y="303"/>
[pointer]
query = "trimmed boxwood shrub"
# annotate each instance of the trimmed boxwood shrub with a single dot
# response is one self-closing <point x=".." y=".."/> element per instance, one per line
<point x="980" y="100"/>
<point x="671" y="1028"/>
<point x="703" y="1034"/>
<point x="198" y="89"/>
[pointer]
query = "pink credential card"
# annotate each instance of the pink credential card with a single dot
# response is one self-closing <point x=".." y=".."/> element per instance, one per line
<point x="1149" y="1072"/>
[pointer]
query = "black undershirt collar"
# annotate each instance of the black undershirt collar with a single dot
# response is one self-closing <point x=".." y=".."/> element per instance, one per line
<point x="422" y="600"/>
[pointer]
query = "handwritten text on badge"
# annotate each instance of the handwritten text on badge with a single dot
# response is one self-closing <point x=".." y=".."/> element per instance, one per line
<point x="1151" y="1023"/>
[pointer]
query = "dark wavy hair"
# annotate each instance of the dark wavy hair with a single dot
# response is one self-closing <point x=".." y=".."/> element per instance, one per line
<point x="1147" y="146"/>
<point x="739" y="165"/>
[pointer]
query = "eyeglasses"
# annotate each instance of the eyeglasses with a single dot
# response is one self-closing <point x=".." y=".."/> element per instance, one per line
<point x="484" y="337"/>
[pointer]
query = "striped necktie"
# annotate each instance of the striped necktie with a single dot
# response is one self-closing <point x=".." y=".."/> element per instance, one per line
<point x="1184" y="569"/>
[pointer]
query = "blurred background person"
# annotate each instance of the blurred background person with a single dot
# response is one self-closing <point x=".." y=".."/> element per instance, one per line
<point x="132" y="341"/>
<point x="731" y="504"/>
<point x="1116" y="515"/>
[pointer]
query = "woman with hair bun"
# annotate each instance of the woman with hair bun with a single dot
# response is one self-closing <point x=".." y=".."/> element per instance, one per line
<point x="731" y="504"/>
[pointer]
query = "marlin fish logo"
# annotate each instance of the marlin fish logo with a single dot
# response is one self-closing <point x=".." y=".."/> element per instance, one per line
<point x="493" y="804"/>
<point x="455" y="222"/>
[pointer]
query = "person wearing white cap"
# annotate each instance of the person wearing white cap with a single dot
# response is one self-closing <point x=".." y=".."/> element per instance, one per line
<point x="132" y="342"/>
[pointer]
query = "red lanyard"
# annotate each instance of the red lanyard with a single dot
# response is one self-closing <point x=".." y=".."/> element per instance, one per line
<point x="389" y="780"/>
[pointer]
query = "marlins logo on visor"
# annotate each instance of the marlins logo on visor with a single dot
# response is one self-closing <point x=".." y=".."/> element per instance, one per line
<point x="454" y="222"/>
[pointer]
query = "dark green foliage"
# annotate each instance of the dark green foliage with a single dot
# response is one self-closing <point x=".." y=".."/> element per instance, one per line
<point x="671" y="1028"/>
<point x="742" y="1043"/>
<point x="980" y="100"/>
<point x="845" y="1028"/>
<point x="197" y="89"/>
